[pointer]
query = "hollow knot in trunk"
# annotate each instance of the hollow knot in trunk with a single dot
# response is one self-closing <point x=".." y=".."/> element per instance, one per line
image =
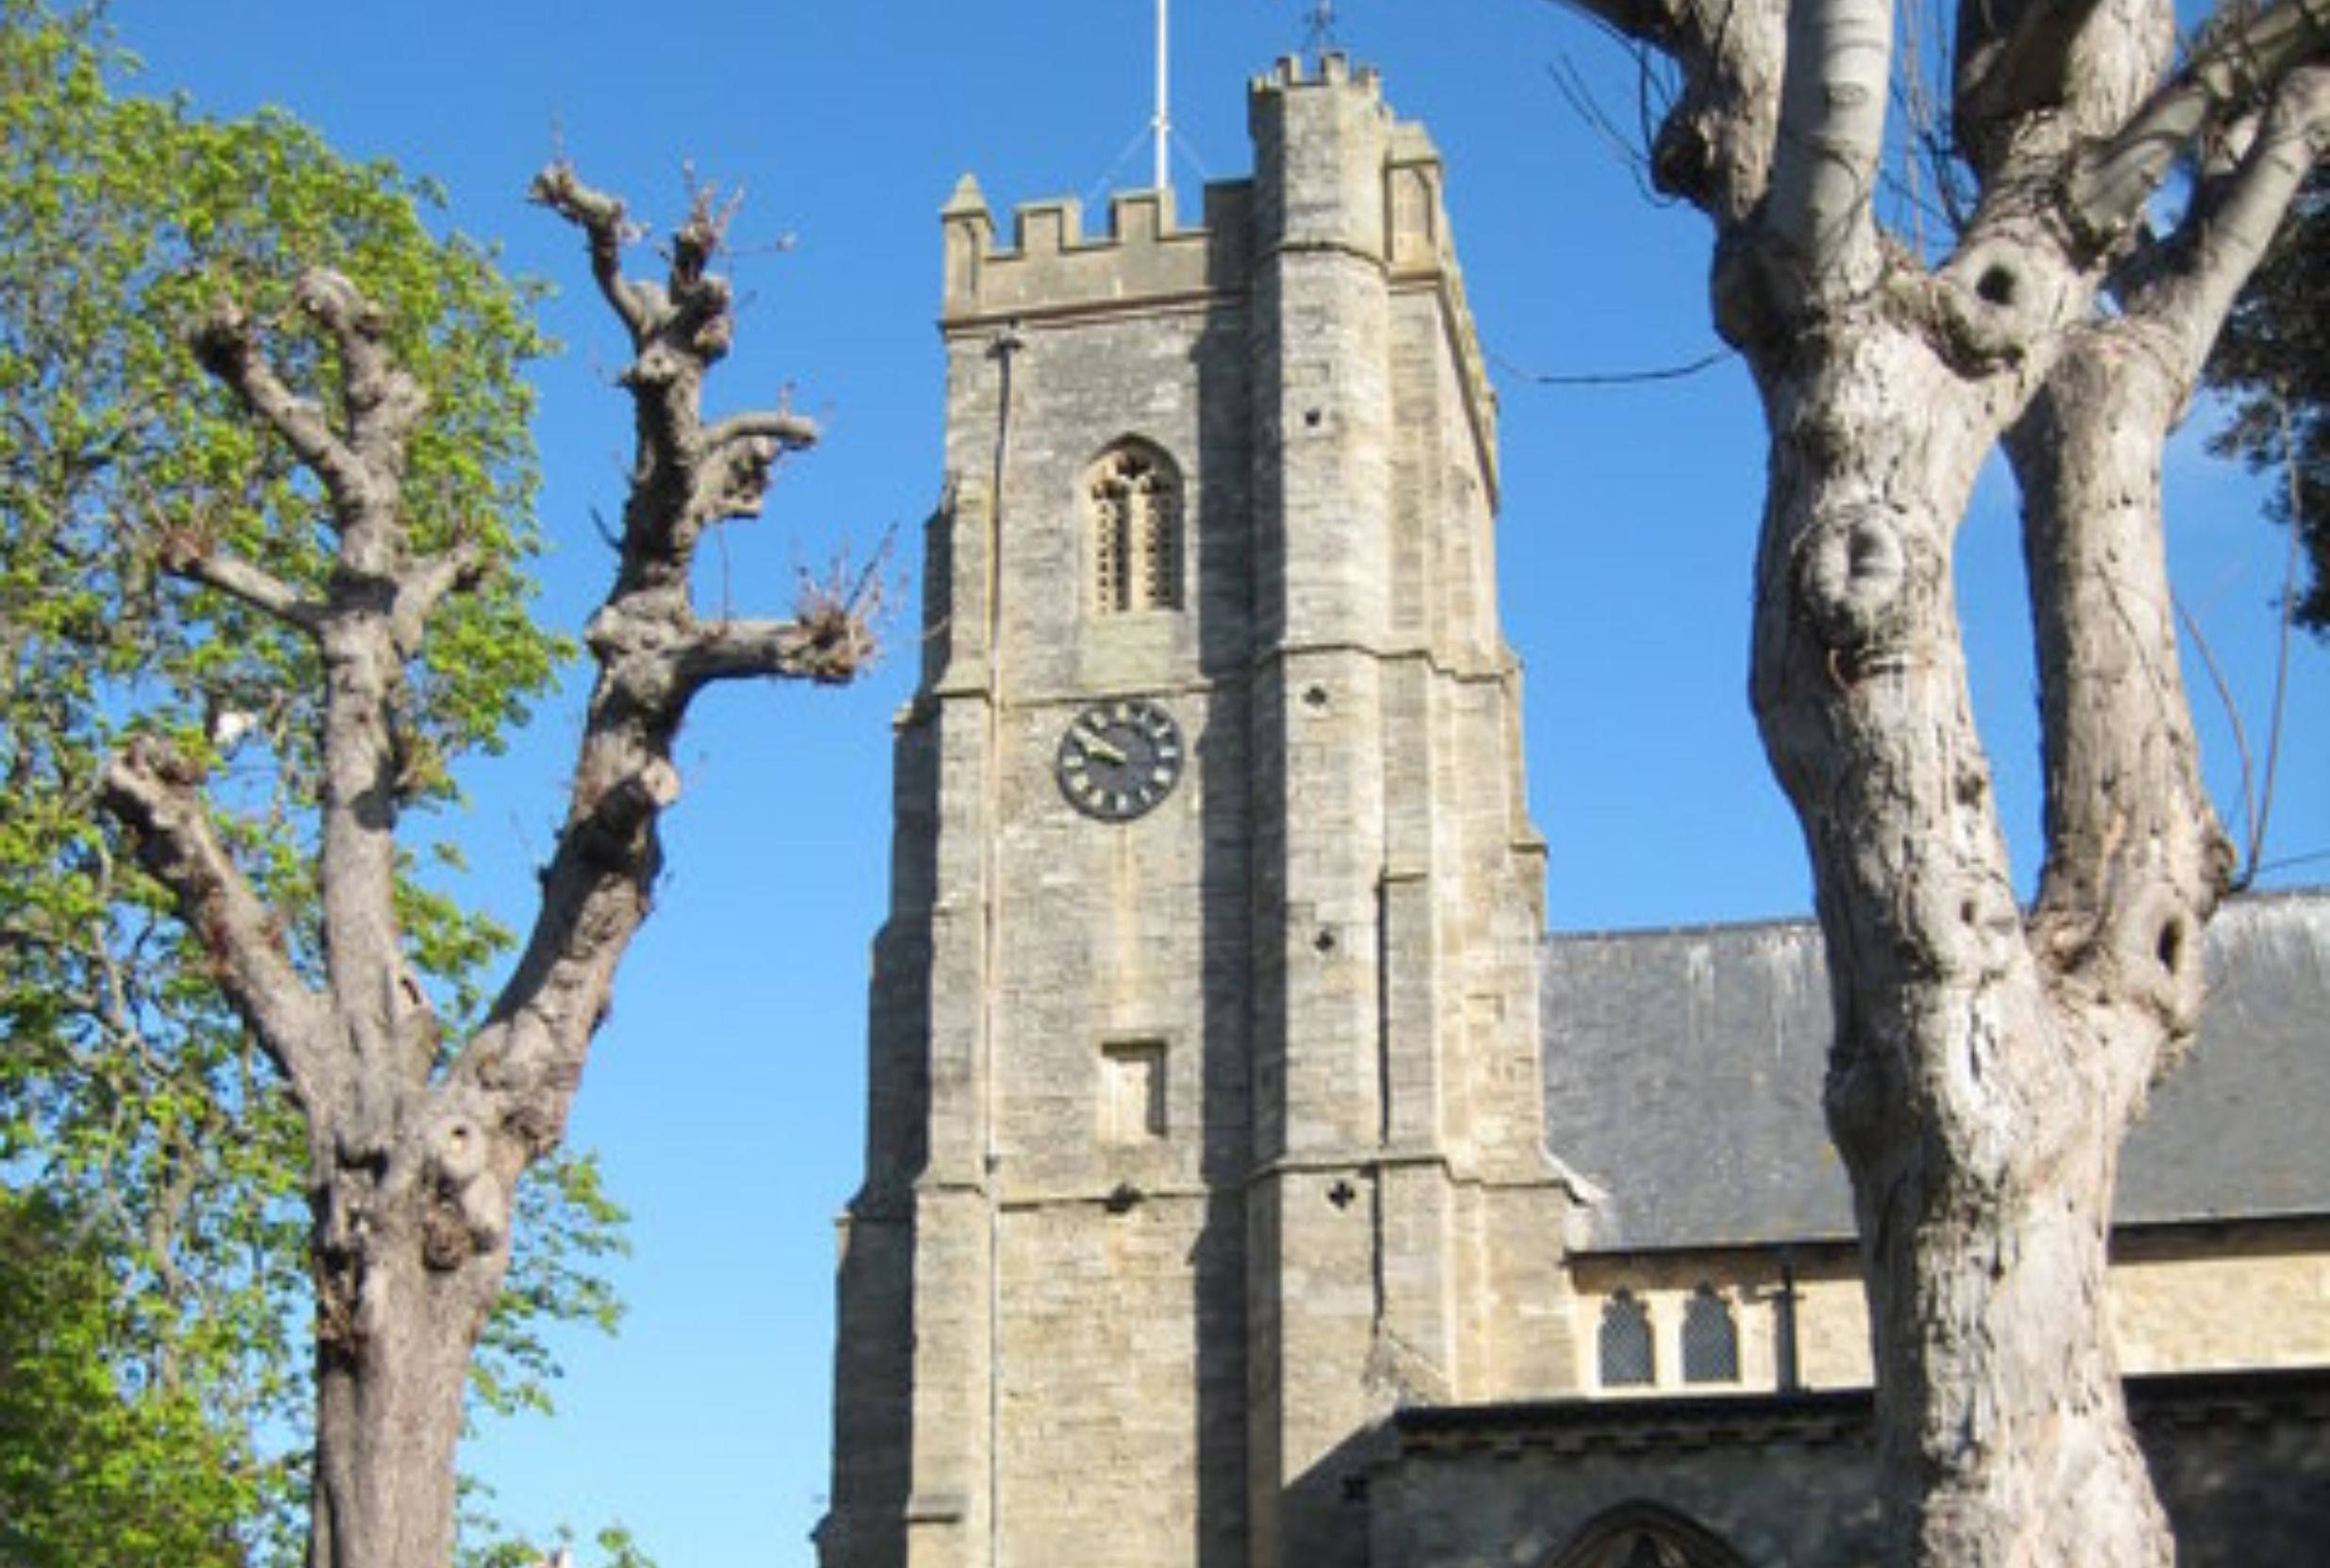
<point x="467" y="1206"/>
<point x="1854" y="577"/>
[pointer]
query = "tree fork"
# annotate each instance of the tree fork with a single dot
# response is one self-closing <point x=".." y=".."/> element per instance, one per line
<point x="1984" y="1069"/>
<point x="413" y="1169"/>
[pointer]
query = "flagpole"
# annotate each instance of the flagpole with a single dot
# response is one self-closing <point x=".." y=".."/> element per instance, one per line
<point x="1162" y="123"/>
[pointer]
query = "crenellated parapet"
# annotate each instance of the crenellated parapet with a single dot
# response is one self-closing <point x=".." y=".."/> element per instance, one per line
<point x="1387" y="207"/>
<point x="1052" y="268"/>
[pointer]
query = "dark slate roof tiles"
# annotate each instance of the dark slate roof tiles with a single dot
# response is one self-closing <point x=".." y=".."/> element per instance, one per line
<point x="1684" y="1076"/>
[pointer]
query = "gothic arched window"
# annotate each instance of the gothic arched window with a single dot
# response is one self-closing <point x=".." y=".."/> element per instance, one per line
<point x="1645" y="1535"/>
<point x="1709" y="1339"/>
<point x="1627" y="1361"/>
<point x="1134" y="500"/>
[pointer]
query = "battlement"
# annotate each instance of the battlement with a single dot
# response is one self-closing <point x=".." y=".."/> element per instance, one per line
<point x="1375" y="189"/>
<point x="1053" y="266"/>
<point x="1335" y="70"/>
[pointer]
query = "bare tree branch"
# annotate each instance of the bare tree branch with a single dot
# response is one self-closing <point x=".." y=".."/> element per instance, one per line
<point x="1661" y="24"/>
<point x="227" y="348"/>
<point x="732" y="481"/>
<point x="2012" y="59"/>
<point x="2136" y="858"/>
<point x="421" y="589"/>
<point x="1830" y="142"/>
<point x="606" y="231"/>
<point x="1714" y="148"/>
<point x="829" y="649"/>
<point x="653" y="654"/>
<point x="254" y="585"/>
<point x="155" y="794"/>
<point x="385" y="402"/>
<point x="2241" y="65"/>
<point x="2234" y="219"/>
<point x="793" y="431"/>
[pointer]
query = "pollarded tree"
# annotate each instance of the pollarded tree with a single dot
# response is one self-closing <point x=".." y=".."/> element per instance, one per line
<point x="417" y="1142"/>
<point x="129" y="1091"/>
<point x="290" y="594"/>
<point x="1987" y="1060"/>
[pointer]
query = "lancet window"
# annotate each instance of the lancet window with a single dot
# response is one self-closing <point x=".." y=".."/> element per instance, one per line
<point x="1134" y="499"/>
<point x="1709" y="1339"/>
<point x="1627" y="1359"/>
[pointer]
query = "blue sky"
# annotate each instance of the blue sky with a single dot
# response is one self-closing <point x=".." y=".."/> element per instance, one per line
<point x="727" y="1091"/>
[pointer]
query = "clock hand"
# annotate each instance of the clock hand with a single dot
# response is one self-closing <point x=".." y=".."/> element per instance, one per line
<point x="1102" y="749"/>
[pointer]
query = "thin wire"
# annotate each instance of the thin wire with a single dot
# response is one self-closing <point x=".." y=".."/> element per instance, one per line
<point x="1107" y="178"/>
<point x="1102" y="187"/>
<point x="2287" y="861"/>
<point x="1189" y="155"/>
<point x="2289" y="608"/>
<point x="1613" y="378"/>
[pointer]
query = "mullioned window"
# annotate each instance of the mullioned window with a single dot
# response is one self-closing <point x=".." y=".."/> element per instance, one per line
<point x="1134" y="499"/>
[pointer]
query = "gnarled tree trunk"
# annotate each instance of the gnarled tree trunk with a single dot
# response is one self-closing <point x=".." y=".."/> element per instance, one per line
<point x="1976" y="1117"/>
<point x="1987" y="1060"/>
<point x="416" y="1150"/>
<point x="390" y="1396"/>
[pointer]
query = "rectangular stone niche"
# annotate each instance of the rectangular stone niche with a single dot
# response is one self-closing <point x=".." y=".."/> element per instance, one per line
<point x="1132" y="1092"/>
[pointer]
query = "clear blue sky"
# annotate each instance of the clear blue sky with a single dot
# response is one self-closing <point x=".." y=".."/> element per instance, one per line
<point x="727" y="1092"/>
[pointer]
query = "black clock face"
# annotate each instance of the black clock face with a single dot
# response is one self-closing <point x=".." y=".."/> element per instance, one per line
<point x="1119" y="759"/>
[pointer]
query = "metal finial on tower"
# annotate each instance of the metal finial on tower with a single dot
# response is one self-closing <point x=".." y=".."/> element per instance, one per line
<point x="1319" y="26"/>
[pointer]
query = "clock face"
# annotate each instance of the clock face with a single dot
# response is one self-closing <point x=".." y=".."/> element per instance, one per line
<point x="1119" y="759"/>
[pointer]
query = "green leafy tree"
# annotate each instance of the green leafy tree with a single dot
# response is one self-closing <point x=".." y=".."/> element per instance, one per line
<point x="94" y="1472"/>
<point x="133" y="1090"/>
<point x="2274" y="361"/>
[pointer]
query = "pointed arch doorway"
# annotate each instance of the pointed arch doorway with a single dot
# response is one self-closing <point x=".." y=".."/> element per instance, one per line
<point x="1645" y="1535"/>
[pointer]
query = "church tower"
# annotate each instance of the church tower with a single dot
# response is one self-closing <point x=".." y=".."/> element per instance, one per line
<point x="1207" y="1110"/>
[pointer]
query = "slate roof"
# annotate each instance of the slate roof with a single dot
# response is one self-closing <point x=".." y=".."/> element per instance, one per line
<point x="1683" y="1075"/>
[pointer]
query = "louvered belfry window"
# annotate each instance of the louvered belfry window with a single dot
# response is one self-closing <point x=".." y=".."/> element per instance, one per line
<point x="1135" y="501"/>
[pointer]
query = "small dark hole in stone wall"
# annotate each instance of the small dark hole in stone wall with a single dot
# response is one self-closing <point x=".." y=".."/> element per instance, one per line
<point x="1311" y="417"/>
<point x="1324" y="941"/>
<point x="1315" y="696"/>
<point x="1996" y="285"/>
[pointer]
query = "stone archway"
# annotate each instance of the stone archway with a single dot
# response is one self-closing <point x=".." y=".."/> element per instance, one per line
<point x="1645" y="1535"/>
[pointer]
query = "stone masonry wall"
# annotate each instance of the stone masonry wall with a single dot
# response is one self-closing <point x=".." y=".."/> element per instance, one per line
<point x="2197" y="1298"/>
<point x="1199" y="1141"/>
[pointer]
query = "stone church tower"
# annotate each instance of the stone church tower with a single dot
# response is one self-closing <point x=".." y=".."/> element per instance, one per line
<point x="1207" y="1111"/>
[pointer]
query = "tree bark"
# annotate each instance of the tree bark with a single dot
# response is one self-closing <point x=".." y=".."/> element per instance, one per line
<point x="394" y="1342"/>
<point x="1977" y="1126"/>
<point x="1987" y="1061"/>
